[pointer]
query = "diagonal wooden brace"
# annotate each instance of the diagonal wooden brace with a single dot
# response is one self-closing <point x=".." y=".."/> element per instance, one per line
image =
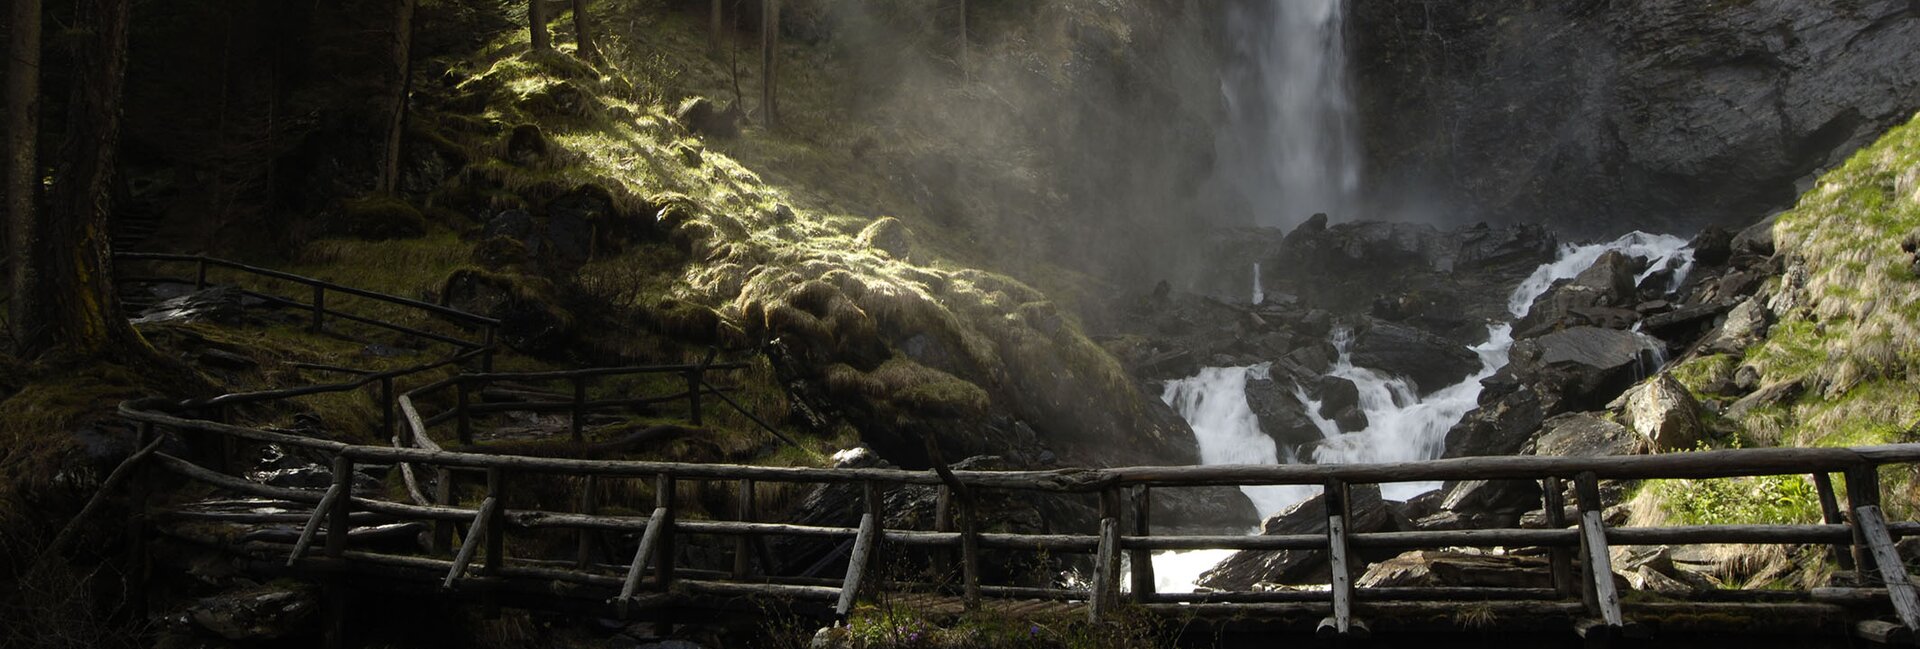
<point x="1873" y="526"/>
<point x="471" y="544"/>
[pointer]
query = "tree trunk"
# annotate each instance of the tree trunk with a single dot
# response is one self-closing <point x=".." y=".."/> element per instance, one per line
<point x="23" y="165"/>
<point x="583" y="33"/>
<point x="713" y="32"/>
<point x="78" y="310"/>
<point x="402" y="89"/>
<point x="769" y="60"/>
<point x="537" y="25"/>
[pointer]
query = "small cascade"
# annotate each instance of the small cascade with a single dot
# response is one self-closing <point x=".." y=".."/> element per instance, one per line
<point x="1259" y="293"/>
<point x="1214" y="403"/>
<point x="1401" y="426"/>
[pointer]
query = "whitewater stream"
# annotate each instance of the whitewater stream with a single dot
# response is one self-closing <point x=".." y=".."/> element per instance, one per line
<point x="1402" y="426"/>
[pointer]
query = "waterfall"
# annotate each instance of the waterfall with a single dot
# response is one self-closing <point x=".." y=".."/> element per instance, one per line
<point x="1288" y="145"/>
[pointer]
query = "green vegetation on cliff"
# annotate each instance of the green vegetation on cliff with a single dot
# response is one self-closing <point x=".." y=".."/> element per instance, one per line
<point x="1848" y="304"/>
<point x="1840" y="364"/>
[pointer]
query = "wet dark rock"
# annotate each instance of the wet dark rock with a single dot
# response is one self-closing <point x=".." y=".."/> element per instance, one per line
<point x="1507" y="499"/>
<point x="1713" y="246"/>
<point x="1203" y="510"/>
<point x="1449" y="282"/>
<point x="1586" y="366"/>
<point x="1500" y="426"/>
<point x="1429" y="361"/>
<point x="260" y="612"/>
<point x="1340" y="402"/>
<point x="1246" y="568"/>
<point x="1606" y="285"/>
<point x="1687" y="322"/>
<point x="1756" y="239"/>
<point x="1282" y="416"/>
<point x="1746" y="378"/>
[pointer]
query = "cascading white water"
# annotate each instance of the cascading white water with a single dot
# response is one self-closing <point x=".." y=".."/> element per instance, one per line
<point x="1214" y="403"/>
<point x="1259" y="293"/>
<point x="1402" y="426"/>
<point x="1289" y="144"/>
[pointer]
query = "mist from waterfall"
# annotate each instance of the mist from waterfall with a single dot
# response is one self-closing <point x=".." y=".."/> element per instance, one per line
<point x="1289" y="144"/>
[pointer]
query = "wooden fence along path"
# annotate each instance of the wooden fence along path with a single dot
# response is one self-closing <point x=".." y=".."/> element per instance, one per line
<point x="1583" y="596"/>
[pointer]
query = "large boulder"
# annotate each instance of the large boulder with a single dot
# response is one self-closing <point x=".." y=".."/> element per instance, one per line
<point x="1441" y="568"/>
<point x="1501" y="425"/>
<point x="1586" y="366"/>
<point x="1246" y="568"/>
<point x="1604" y="288"/>
<point x="1663" y="412"/>
<point x="1281" y="413"/>
<point x="1584" y="434"/>
<point x="1429" y="361"/>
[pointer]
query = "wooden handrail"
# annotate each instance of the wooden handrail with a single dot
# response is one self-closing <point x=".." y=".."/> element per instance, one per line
<point x="309" y="281"/>
<point x="1696" y="465"/>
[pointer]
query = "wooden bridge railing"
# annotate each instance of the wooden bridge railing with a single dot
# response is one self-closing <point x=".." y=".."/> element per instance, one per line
<point x="316" y="300"/>
<point x="652" y="577"/>
<point x="576" y="401"/>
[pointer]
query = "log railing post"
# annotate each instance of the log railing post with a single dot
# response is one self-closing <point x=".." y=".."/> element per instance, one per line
<point x="338" y="522"/>
<point x="1106" y="563"/>
<point x="387" y="419"/>
<point x="579" y="409"/>
<point x="442" y="540"/>
<point x="1830" y="513"/>
<point x="1339" y="562"/>
<point x="1603" y="601"/>
<point x="969" y="524"/>
<point x="319" y="306"/>
<point x="1554" y="500"/>
<point x="649" y="545"/>
<point x="1142" y="560"/>
<point x="744" y="543"/>
<point x="943" y="522"/>
<point x="865" y="547"/>
<point x="589" y="505"/>
<point x="663" y="500"/>
<point x="486" y="353"/>
<point x="496" y="531"/>
<point x="1863" y="489"/>
<point x="465" y="418"/>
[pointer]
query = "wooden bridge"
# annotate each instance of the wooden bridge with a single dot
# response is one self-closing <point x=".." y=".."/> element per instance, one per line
<point x="436" y="537"/>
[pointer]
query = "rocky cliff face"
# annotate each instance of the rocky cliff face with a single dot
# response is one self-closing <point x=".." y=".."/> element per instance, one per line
<point x="1602" y="117"/>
